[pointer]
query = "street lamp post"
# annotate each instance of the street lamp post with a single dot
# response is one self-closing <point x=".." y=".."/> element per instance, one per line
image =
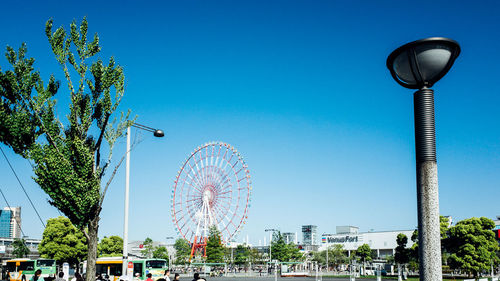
<point x="168" y="252"/>
<point x="156" y="133"/>
<point x="418" y="65"/>
<point x="271" y="231"/>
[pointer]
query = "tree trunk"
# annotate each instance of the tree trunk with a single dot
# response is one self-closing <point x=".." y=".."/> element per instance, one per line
<point x="93" y="228"/>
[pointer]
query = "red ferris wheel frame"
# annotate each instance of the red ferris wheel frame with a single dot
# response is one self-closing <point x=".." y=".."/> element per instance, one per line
<point x="212" y="188"/>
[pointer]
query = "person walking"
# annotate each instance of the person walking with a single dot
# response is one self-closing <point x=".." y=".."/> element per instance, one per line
<point x="60" y="277"/>
<point x="167" y="275"/>
<point x="77" y="277"/>
<point x="149" y="275"/>
<point x="36" y="276"/>
<point x="177" y="277"/>
<point x="197" y="277"/>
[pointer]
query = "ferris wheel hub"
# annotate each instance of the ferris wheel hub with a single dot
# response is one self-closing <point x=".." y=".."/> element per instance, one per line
<point x="208" y="196"/>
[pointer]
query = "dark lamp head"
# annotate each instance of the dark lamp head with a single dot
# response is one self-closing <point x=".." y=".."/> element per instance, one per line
<point x="158" y="133"/>
<point x="422" y="63"/>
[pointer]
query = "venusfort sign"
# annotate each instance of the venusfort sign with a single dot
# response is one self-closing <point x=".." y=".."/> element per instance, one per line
<point x="343" y="239"/>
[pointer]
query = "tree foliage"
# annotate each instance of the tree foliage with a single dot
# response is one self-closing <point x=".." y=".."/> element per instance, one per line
<point x="402" y="255"/>
<point x="215" y="249"/>
<point x="67" y="160"/>
<point x="62" y="241"/>
<point x="364" y="253"/>
<point x="148" y="248"/>
<point x="284" y="252"/>
<point x="111" y="246"/>
<point x="472" y="245"/>
<point x="182" y="251"/>
<point x="241" y="254"/>
<point x="20" y="248"/>
<point x="160" y="252"/>
<point x="336" y="255"/>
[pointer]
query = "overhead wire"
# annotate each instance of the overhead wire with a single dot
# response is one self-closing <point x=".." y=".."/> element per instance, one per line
<point x="22" y="187"/>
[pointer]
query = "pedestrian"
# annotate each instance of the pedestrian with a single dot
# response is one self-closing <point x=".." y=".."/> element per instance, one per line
<point x="149" y="275"/>
<point x="77" y="277"/>
<point x="197" y="277"/>
<point x="60" y="277"/>
<point x="167" y="275"/>
<point x="36" y="276"/>
<point x="137" y="276"/>
<point x="177" y="277"/>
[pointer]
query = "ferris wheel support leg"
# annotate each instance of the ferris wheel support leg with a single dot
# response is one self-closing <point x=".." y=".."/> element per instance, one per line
<point x="193" y="248"/>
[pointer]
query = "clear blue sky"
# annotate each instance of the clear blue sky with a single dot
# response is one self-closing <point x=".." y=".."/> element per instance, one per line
<point x="301" y="89"/>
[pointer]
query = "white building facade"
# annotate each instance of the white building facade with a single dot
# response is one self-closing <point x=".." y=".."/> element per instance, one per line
<point x="381" y="242"/>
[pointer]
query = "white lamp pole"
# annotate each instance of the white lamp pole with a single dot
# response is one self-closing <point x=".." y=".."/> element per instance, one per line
<point x="156" y="133"/>
<point x="125" y="222"/>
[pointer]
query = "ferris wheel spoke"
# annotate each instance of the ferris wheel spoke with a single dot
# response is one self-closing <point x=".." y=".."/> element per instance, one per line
<point x="196" y="175"/>
<point x="191" y="184"/>
<point x="199" y="171"/>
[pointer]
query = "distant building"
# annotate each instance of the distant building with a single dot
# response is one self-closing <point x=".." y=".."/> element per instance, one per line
<point x="289" y="237"/>
<point x="382" y="243"/>
<point x="309" y="235"/>
<point x="344" y="229"/>
<point x="6" y="248"/>
<point x="10" y="222"/>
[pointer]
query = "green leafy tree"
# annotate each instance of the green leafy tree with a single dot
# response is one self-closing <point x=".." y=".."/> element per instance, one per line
<point x="182" y="251"/>
<point x="241" y="255"/>
<point x="319" y="257"/>
<point x="336" y="255"/>
<point x="69" y="163"/>
<point x="160" y="252"/>
<point x="20" y="248"/>
<point x="256" y="257"/>
<point x="364" y="253"/>
<point x="62" y="241"/>
<point x="148" y="248"/>
<point x="279" y="248"/>
<point x="472" y="245"/>
<point x="402" y="255"/>
<point x="294" y="253"/>
<point x="215" y="249"/>
<point x="111" y="246"/>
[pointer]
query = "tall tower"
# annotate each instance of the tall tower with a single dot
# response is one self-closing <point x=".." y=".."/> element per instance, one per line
<point x="10" y="222"/>
<point x="309" y="234"/>
<point x="15" y="222"/>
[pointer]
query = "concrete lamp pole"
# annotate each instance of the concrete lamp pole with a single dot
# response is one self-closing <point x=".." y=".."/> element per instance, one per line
<point x="169" y="256"/>
<point x="271" y="231"/>
<point x="418" y="65"/>
<point x="156" y="133"/>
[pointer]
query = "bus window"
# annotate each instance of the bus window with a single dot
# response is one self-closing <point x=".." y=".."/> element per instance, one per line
<point x="115" y="269"/>
<point x="156" y="264"/>
<point x="138" y="269"/>
<point x="101" y="269"/>
<point x="11" y="266"/>
<point x="40" y="263"/>
<point x="26" y="265"/>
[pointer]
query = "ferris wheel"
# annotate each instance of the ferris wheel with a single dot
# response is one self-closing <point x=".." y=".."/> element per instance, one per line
<point x="212" y="189"/>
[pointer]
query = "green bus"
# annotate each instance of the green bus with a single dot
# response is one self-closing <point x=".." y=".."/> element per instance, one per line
<point x="112" y="266"/>
<point x="24" y="269"/>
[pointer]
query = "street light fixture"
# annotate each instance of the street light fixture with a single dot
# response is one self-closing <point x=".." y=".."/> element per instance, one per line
<point x="157" y="133"/>
<point x="271" y="230"/>
<point x="418" y="65"/>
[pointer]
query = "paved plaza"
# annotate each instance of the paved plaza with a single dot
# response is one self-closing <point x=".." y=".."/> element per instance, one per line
<point x="272" y="278"/>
